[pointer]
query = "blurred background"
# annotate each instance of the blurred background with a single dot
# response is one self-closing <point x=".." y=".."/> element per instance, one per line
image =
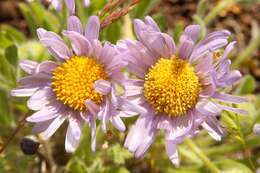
<point x="238" y="152"/>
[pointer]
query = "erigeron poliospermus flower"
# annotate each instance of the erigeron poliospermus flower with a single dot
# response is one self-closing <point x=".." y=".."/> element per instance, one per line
<point x="70" y="4"/>
<point x="179" y="87"/>
<point x="79" y="87"/>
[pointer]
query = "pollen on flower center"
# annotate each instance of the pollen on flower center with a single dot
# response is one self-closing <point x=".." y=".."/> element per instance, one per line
<point x="171" y="86"/>
<point x="74" y="81"/>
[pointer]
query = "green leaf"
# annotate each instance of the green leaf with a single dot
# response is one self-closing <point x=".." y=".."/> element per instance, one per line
<point x="113" y="32"/>
<point x="4" y="109"/>
<point x="17" y="35"/>
<point x="232" y="166"/>
<point x="246" y="86"/>
<point x="28" y="15"/>
<point x="11" y="55"/>
<point x="4" y="66"/>
<point x="178" y="31"/>
<point x="201" y="8"/>
<point x="160" y="21"/>
<point x="5" y="39"/>
<point x="143" y="8"/>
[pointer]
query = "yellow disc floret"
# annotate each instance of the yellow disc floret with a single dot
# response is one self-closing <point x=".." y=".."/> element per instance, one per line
<point x="171" y="86"/>
<point x="74" y="82"/>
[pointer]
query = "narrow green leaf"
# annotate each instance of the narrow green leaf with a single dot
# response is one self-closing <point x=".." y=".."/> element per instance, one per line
<point x="246" y="86"/>
<point x="177" y="32"/>
<point x="17" y="35"/>
<point x="160" y="21"/>
<point x="201" y="7"/>
<point x="143" y="8"/>
<point x="11" y="55"/>
<point x="4" y="66"/>
<point x="4" y="109"/>
<point x="113" y="32"/>
<point x="227" y="165"/>
<point x="28" y="15"/>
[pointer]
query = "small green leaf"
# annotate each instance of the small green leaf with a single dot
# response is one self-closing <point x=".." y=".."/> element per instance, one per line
<point x="4" y="109"/>
<point x="4" y="66"/>
<point x="246" y="86"/>
<point x="11" y="55"/>
<point x="5" y="39"/>
<point x="17" y="35"/>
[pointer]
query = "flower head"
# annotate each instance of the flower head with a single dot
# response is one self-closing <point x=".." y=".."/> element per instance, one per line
<point x="178" y="86"/>
<point x="78" y="87"/>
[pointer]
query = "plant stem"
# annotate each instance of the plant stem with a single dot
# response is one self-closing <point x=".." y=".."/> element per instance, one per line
<point x="253" y="45"/>
<point x="202" y="156"/>
<point x="20" y="125"/>
<point x="216" y="10"/>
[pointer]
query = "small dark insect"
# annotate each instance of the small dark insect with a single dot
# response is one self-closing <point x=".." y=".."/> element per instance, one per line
<point x="29" y="146"/>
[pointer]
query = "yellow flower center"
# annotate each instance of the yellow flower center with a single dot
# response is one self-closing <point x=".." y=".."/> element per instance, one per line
<point x="74" y="81"/>
<point x="171" y="86"/>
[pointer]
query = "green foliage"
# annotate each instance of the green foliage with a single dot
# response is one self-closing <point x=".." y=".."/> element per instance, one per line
<point x="246" y="86"/>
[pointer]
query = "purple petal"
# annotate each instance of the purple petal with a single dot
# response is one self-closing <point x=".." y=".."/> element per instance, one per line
<point x="180" y="126"/>
<point x="71" y="6"/>
<point x="208" y="90"/>
<point x="55" y="124"/>
<point x="212" y="126"/>
<point x="229" y="98"/>
<point x="85" y="115"/>
<point x="40" y="127"/>
<point x="57" y="48"/>
<point x="209" y="43"/>
<point x="192" y="32"/>
<point x="92" y="107"/>
<point x="47" y="67"/>
<point x="205" y="65"/>
<point x="149" y="21"/>
<point x="74" y="24"/>
<point x="28" y="65"/>
<point x="235" y="110"/>
<point x="92" y="28"/>
<point x="40" y="98"/>
<point x="117" y="123"/>
<point x="104" y="114"/>
<point x="207" y="107"/>
<point x="86" y="3"/>
<point x="73" y="133"/>
<point x="43" y="115"/>
<point x="229" y="79"/>
<point x="257" y="129"/>
<point x="185" y="47"/>
<point x="172" y="152"/>
<point x="57" y="4"/>
<point x="102" y="86"/>
<point x="79" y="43"/>
<point x="35" y="79"/>
<point x="141" y="135"/>
<point x="24" y="91"/>
<point x="92" y="126"/>
<point x="228" y="49"/>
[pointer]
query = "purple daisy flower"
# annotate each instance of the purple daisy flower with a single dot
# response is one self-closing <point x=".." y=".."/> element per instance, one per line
<point x="79" y="87"/>
<point x="57" y="4"/>
<point x="179" y="88"/>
